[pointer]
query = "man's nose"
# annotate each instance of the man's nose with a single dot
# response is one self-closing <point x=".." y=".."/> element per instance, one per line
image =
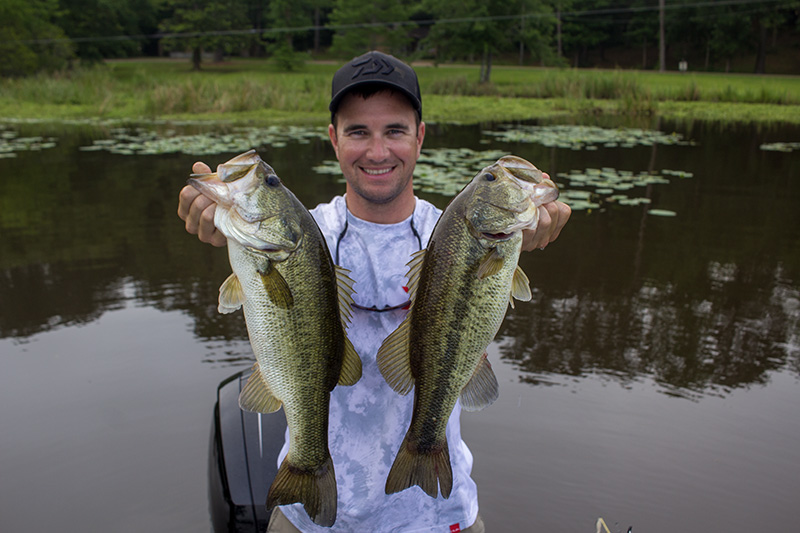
<point x="378" y="149"/>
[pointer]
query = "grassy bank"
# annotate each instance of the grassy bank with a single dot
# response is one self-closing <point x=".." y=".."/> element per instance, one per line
<point x="255" y="91"/>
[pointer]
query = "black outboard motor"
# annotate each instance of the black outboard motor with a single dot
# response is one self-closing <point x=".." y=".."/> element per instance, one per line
<point x="242" y="460"/>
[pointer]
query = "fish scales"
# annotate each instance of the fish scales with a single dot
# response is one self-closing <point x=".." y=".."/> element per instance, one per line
<point x="296" y="304"/>
<point x="460" y="287"/>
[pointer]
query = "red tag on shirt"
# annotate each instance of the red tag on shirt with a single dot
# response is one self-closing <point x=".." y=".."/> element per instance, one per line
<point x="455" y="528"/>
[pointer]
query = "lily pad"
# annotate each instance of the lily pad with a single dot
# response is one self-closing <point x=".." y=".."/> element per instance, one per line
<point x="661" y="212"/>
<point x="781" y="146"/>
<point x="585" y="137"/>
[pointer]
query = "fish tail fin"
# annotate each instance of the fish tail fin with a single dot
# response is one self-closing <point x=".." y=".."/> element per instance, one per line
<point x="430" y="470"/>
<point x="316" y="490"/>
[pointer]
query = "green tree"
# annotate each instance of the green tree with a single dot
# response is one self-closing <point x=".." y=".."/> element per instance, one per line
<point x="108" y="28"/>
<point x="584" y="29"/>
<point x="641" y="29"/>
<point x="488" y="27"/>
<point x="30" y="39"/>
<point x="367" y="26"/>
<point x="199" y="26"/>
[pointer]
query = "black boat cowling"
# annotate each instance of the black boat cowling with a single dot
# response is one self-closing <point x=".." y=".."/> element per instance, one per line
<point x="242" y="460"/>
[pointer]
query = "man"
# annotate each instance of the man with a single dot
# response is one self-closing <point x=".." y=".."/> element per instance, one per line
<point x="377" y="132"/>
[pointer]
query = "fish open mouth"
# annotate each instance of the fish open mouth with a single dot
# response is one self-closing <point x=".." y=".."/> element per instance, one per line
<point x="497" y="236"/>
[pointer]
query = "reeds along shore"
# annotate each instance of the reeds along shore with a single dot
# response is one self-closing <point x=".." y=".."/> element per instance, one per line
<point x="146" y="89"/>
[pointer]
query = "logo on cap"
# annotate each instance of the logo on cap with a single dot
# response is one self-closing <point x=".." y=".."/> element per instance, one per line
<point x="375" y="68"/>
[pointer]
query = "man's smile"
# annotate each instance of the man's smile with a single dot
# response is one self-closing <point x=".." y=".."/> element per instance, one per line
<point x="377" y="171"/>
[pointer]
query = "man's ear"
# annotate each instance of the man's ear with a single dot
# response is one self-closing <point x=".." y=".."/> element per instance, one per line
<point x="420" y="138"/>
<point x="334" y="138"/>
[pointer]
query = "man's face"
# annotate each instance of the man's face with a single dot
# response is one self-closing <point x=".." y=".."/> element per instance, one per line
<point x="377" y="142"/>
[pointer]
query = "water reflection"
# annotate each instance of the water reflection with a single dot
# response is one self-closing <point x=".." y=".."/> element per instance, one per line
<point x="703" y="302"/>
<point x="707" y="341"/>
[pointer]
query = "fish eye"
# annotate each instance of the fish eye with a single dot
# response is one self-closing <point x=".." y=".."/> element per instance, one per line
<point x="272" y="180"/>
<point x="489" y="177"/>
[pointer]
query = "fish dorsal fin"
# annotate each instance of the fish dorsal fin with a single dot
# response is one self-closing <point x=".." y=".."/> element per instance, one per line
<point x="256" y="395"/>
<point x="345" y="292"/>
<point x="482" y="389"/>
<point x="394" y="359"/>
<point x="277" y="289"/>
<point x="491" y="264"/>
<point x="231" y="295"/>
<point x="520" y="286"/>
<point x="414" y="270"/>
<point x="351" y="365"/>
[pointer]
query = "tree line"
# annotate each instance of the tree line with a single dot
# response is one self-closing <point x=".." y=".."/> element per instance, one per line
<point x="48" y="35"/>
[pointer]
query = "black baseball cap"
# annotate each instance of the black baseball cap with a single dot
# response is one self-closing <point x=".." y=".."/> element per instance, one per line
<point x="376" y="68"/>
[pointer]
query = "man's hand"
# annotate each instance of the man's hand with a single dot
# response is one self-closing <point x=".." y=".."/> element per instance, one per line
<point x="197" y="210"/>
<point x="552" y="218"/>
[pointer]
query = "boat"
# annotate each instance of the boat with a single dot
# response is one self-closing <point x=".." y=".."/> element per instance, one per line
<point x="242" y="460"/>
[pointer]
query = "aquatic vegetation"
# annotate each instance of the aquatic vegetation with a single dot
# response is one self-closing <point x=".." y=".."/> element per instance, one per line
<point x="594" y="188"/>
<point x="442" y="171"/>
<point x="445" y="171"/>
<point x="145" y="141"/>
<point x="781" y="146"/>
<point x="585" y="137"/>
<point x="11" y="142"/>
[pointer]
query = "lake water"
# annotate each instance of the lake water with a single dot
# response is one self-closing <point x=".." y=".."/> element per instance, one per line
<point x="654" y="380"/>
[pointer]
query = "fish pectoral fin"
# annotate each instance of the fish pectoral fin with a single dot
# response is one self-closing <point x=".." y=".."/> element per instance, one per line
<point x="351" y="365"/>
<point x="482" y="389"/>
<point x="394" y="359"/>
<point x="344" y="285"/>
<point x="277" y="289"/>
<point x="231" y="295"/>
<point x="520" y="286"/>
<point x="491" y="264"/>
<point x="256" y="395"/>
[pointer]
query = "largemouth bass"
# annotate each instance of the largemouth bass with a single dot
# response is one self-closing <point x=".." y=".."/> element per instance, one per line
<point x="296" y="304"/>
<point x="460" y="289"/>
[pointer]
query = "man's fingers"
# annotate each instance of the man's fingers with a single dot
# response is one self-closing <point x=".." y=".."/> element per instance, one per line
<point x="201" y="168"/>
<point x="206" y="231"/>
<point x="552" y="218"/>
<point x="186" y="198"/>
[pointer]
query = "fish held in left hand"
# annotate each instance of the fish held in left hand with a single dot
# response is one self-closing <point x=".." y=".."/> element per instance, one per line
<point x="296" y="304"/>
<point x="460" y="288"/>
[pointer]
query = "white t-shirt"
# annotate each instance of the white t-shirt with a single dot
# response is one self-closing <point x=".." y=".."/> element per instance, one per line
<point x="369" y="420"/>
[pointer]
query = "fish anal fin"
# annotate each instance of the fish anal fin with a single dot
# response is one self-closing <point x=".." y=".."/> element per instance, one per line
<point x="351" y="365"/>
<point x="491" y="264"/>
<point x="277" y="289"/>
<point x="394" y="359"/>
<point x="520" y="286"/>
<point x="256" y="395"/>
<point x="429" y="470"/>
<point x="231" y="295"/>
<point x="482" y="389"/>
<point x="315" y="489"/>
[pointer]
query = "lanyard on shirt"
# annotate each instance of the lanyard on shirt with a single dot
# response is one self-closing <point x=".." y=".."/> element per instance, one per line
<point x="375" y="307"/>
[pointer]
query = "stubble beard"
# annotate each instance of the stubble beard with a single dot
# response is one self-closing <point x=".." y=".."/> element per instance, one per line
<point x="377" y="198"/>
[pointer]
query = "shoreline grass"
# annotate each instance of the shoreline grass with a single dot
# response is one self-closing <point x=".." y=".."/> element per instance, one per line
<point x="255" y="91"/>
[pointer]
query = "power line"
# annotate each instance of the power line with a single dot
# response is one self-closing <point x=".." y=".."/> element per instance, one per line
<point x="425" y="22"/>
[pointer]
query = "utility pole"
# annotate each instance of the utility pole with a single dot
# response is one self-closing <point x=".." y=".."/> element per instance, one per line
<point x="662" y="42"/>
